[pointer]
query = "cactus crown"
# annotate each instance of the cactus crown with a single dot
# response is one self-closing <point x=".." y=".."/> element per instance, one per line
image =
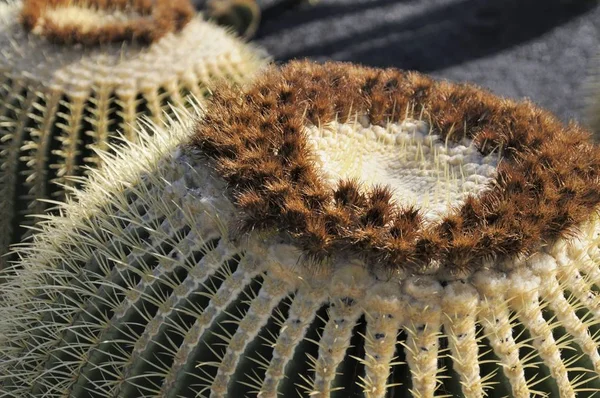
<point x="539" y="192"/>
<point x="93" y="22"/>
<point x="143" y="287"/>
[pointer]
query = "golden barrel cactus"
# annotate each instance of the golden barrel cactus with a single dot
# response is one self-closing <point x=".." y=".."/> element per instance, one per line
<point x="330" y="231"/>
<point x="74" y="72"/>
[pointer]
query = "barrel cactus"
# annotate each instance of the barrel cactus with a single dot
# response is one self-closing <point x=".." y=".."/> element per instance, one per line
<point x="74" y="72"/>
<point x="328" y="231"/>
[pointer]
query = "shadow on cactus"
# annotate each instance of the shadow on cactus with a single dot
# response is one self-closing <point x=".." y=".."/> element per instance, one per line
<point x="331" y="231"/>
<point x="74" y="72"/>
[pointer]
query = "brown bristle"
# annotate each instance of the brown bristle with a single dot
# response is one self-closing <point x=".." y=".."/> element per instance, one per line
<point x="547" y="182"/>
<point x="155" y="19"/>
<point x="348" y="194"/>
<point x="380" y="209"/>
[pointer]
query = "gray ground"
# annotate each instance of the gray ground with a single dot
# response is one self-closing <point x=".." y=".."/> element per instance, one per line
<point x="542" y="49"/>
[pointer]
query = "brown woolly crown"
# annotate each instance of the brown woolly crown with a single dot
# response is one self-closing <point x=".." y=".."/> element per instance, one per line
<point x="547" y="182"/>
<point x="144" y="21"/>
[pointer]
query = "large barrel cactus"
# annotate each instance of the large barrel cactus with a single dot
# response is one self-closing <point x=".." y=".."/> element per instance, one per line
<point x="330" y="231"/>
<point x="74" y="72"/>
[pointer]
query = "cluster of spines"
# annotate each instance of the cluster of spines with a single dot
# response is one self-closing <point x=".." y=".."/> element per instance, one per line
<point x="541" y="193"/>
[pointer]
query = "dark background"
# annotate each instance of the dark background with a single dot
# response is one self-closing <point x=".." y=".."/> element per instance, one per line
<point x="546" y="50"/>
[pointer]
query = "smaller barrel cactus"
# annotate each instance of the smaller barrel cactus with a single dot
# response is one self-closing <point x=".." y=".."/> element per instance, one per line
<point x="74" y="72"/>
<point x="329" y="231"/>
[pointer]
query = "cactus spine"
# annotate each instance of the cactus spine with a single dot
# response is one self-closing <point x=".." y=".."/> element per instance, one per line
<point x="146" y="285"/>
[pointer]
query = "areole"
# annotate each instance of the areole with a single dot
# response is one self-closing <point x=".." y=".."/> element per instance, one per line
<point x="542" y="184"/>
<point x="93" y="22"/>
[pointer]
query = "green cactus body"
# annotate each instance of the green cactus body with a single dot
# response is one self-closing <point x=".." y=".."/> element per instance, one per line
<point x="62" y="103"/>
<point x="170" y="276"/>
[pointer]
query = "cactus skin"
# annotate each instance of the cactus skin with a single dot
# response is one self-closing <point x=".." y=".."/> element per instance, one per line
<point x="144" y="288"/>
<point x="60" y="104"/>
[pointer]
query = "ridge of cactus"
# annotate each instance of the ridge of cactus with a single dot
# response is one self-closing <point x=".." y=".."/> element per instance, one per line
<point x="72" y="73"/>
<point x="159" y="278"/>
